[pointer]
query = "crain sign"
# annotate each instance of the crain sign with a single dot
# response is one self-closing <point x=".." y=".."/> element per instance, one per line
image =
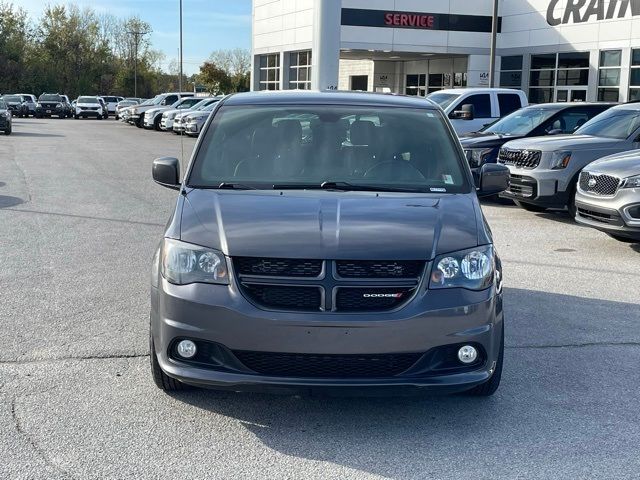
<point x="582" y="11"/>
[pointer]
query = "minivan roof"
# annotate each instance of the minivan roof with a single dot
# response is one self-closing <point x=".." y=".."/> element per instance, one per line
<point x="310" y="97"/>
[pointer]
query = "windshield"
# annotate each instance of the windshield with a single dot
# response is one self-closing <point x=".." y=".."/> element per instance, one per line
<point x="521" y="122"/>
<point x="306" y="146"/>
<point x="617" y="123"/>
<point x="50" y="98"/>
<point x="157" y="100"/>
<point x="443" y="99"/>
<point x="87" y="100"/>
<point x="12" y="98"/>
<point x="126" y="103"/>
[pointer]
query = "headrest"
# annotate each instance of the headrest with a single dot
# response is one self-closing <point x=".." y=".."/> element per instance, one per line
<point x="363" y="132"/>
<point x="289" y="131"/>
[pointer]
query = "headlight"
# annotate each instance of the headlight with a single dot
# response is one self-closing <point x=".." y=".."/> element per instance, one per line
<point x="58" y="105"/>
<point x="184" y="263"/>
<point x="478" y="156"/>
<point x="560" y="160"/>
<point x="631" y="182"/>
<point x="170" y="116"/>
<point x="472" y="269"/>
<point x="39" y="105"/>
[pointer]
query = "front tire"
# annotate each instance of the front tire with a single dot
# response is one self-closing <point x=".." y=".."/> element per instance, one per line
<point x="489" y="387"/>
<point x="529" y="207"/>
<point x="7" y="131"/>
<point x="162" y="380"/>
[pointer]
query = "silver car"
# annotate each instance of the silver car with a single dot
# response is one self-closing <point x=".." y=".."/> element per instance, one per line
<point x="545" y="170"/>
<point x="608" y="196"/>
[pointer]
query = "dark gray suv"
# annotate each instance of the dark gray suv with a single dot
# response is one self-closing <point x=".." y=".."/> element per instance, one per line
<point x="327" y="240"/>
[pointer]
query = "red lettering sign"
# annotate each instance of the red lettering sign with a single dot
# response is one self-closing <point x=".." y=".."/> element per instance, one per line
<point x="409" y="20"/>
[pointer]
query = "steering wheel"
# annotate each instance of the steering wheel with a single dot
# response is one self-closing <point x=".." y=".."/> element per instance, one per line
<point x="402" y="170"/>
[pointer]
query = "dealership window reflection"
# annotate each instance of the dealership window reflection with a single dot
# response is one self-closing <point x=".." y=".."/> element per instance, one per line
<point x="270" y="72"/>
<point x="609" y="76"/>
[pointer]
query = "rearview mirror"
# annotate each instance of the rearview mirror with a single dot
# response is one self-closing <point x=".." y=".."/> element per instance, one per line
<point x="166" y="172"/>
<point x="466" y="112"/>
<point x="494" y="178"/>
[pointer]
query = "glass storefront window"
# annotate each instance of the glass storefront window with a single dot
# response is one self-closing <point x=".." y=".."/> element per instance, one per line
<point x="300" y="70"/>
<point x="269" y="72"/>
<point x="634" y="76"/>
<point x="416" y="85"/>
<point x="511" y="71"/>
<point x="609" y="75"/>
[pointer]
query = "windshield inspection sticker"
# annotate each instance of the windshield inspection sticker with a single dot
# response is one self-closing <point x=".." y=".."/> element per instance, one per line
<point x="448" y="179"/>
<point x="437" y="189"/>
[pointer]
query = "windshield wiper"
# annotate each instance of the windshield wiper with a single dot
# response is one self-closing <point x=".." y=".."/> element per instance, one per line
<point x="343" y="186"/>
<point x="224" y="186"/>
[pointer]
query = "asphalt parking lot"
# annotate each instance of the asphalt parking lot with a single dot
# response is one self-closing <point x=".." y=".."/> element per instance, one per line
<point x="79" y="220"/>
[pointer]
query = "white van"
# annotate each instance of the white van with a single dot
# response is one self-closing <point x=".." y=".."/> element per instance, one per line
<point x="470" y="109"/>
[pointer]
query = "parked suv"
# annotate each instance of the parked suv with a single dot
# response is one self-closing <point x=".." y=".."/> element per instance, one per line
<point x="544" y="170"/>
<point x="470" y="109"/>
<point x="89" y="107"/>
<point x="327" y="239"/>
<point x="50" y="104"/>
<point x="136" y="114"/>
<point x="16" y="105"/>
<point x="532" y="121"/>
<point x="5" y="117"/>
<point x="608" y="196"/>
<point x="30" y="101"/>
<point x="111" y="103"/>
<point x="153" y="116"/>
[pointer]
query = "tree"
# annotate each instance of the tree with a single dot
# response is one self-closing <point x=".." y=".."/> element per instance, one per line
<point x="215" y="79"/>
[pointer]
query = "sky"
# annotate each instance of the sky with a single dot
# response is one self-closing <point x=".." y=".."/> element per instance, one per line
<point x="208" y="25"/>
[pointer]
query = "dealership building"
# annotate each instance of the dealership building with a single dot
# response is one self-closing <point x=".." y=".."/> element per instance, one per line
<point x="555" y="50"/>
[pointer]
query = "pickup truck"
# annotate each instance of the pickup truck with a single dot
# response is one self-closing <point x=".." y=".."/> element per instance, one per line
<point x="470" y="109"/>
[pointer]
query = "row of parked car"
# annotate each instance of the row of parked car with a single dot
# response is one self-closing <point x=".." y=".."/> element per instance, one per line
<point x="177" y="112"/>
<point x="584" y="157"/>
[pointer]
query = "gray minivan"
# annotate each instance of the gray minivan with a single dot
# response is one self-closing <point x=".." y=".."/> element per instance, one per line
<point x="325" y="239"/>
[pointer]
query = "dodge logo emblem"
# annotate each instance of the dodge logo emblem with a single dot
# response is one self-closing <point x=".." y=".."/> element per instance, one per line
<point x="382" y="295"/>
<point x="592" y="182"/>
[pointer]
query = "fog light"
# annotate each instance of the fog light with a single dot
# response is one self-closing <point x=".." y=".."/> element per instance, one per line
<point x="466" y="354"/>
<point x="187" y="349"/>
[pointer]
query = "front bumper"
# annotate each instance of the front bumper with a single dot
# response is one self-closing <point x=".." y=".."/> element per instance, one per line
<point x="222" y="316"/>
<point x="48" y="111"/>
<point x="166" y="124"/>
<point x="545" y="188"/>
<point x="618" y="214"/>
<point x="88" y="113"/>
<point x="192" y="129"/>
<point x="148" y="122"/>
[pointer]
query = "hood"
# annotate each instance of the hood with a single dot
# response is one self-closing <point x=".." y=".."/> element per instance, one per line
<point x="620" y="165"/>
<point x="329" y="225"/>
<point x="485" y="140"/>
<point x="82" y="104"/>
<point x="199" y="114"/>
<point x="173" y="110"/>
<point x="553" y="143"/>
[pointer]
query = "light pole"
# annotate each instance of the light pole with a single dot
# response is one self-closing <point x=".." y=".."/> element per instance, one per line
<point x="180" y="79"/>
<point x="136" y="35"/>
<point x="494" y="38"/>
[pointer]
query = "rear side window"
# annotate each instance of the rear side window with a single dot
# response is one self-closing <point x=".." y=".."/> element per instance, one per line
<point x="508" y="102"/>
<point x="481" y="105"/>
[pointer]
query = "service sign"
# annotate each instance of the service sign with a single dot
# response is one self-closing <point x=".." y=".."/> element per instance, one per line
<point x="417" y="20"/>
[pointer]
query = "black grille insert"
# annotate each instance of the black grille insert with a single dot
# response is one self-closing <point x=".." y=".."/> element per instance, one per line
<point x="278" y="267"/>
<point x="327" y="366"/>
<point x="604" y="185"/>
<point x="379" y="269"/>
<point x="364" y="299"/>
<point x="520" y="158"/>
<point x="285" y="297"/>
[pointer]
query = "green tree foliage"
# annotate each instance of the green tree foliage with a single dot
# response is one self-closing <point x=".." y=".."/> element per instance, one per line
<point x="77" y="52"/>
<point x="226" y="71"/>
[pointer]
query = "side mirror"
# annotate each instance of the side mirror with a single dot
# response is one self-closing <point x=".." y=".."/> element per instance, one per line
<point x="494" y="178"/>
<point x="166" y="172"/>
<point x="555" y="131"/>
<point x="466" y="112"/>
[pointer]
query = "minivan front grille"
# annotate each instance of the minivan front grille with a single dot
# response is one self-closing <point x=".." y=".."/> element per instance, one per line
<point x="599" y="184"/>
<point x="328" y="285"/>
<point x="376" y="269"/>
<point x="520" y="158"/>
<point x="285" y="297"/>
<point x="278" y="267"/>
<point x="327" y="366"/>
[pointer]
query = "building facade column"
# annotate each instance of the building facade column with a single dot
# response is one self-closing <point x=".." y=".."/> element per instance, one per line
<point x="326" y="44"/>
